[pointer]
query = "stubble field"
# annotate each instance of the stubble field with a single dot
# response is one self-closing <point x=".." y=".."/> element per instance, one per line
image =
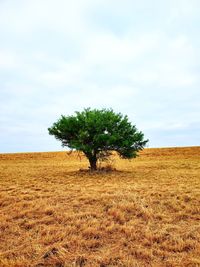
<point x="144" y="213"/>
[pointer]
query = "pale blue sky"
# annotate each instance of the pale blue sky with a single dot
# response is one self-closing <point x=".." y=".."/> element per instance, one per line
<point x="141" y="58"/>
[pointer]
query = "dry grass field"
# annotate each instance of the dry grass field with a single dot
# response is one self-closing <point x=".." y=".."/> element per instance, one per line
<point x="144" y="213"/>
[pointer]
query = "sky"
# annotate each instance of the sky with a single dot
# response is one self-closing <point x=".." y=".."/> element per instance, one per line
<point x="141" y="58"/>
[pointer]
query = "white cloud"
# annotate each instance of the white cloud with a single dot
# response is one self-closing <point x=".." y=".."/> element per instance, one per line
<point x="183" y="9"/>
<point x="23" y="17"/>
<point x="107" y="48"/>
<point x="65" y="75"/>
<point x="8" y="60"/>
<point x="166" y="126"/>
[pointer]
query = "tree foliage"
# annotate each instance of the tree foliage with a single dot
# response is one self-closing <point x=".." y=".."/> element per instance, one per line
<point x="98" y="132"/>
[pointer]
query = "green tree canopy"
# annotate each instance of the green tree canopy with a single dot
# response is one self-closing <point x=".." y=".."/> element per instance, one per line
<point x="98" y="132"/>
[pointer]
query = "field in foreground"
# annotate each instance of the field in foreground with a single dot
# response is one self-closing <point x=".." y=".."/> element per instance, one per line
<point x="145" y="213"/>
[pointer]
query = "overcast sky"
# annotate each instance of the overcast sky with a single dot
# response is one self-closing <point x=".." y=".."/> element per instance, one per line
<point x="141" y="58"/>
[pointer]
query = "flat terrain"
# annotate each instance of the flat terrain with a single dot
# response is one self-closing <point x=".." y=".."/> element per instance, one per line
<point x="145" y="213"/>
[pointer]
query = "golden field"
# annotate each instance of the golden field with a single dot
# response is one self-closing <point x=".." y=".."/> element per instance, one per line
<point x="144" y="213"/>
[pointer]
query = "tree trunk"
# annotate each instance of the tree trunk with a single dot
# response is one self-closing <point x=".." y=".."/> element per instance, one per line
<point x="93" y="163"/>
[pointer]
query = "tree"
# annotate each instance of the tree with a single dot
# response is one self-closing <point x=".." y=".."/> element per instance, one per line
<point x="97" y="133"/>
